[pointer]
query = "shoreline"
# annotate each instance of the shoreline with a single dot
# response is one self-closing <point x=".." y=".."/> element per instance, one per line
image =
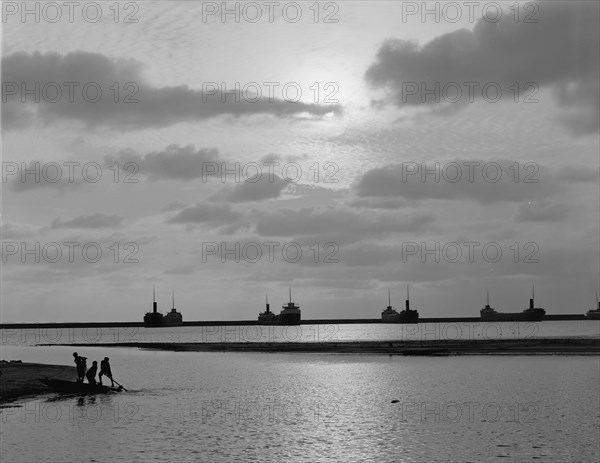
<point x="532" y="346"/>
<point x="20" y="380"/>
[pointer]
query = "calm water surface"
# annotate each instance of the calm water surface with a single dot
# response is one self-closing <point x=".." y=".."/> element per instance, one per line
<point x="307" y="333"/>
<point x="248" y="407"/>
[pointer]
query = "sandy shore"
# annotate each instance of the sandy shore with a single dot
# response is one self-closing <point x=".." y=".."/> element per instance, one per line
<point x="480" y="347"/>
<point x="20" y="380"/>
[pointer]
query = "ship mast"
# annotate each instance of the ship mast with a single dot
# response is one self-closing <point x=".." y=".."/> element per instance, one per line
<point x="290" y="288"/>
<point x="389" y="298"/>
<point x="488" y="297"/>
<point x="173" y="299"/>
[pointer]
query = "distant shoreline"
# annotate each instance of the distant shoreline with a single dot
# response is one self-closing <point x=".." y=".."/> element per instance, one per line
<point x="329" y="321"/>
<point x="551" y="346"/>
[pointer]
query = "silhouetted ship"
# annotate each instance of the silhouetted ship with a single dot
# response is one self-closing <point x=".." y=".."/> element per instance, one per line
<point x="267" y="317"/>
<point x="531" y="314"/>
<point x="389" y="315"/>
<point x="594" y="314"/>
<point x="290" y="315"/>
<point x="173" y="318"/>
<point x="155" y="319"/>
<point x="408" y="315"/>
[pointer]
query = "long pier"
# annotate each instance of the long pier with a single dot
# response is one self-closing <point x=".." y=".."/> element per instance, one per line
<point x="325" y="321"/>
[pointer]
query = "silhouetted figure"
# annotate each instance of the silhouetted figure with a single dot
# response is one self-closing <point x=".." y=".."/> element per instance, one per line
<point x="91" y="373"/>
<point x="80" y="362"/>
<point x="105" y="370"/>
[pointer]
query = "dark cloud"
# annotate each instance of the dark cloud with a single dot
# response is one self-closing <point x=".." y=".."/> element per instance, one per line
<point x="138" y="104"/>
<point x="173" y="163"/>
<point x="457" y="180"/>
<point x="266" y="187"/>
<point x="89" y="221"/>
<point x="560" y="51"/>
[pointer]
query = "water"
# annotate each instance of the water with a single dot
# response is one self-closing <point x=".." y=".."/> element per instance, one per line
<point x="306" y="333"/>
<point x="252" y="407"/>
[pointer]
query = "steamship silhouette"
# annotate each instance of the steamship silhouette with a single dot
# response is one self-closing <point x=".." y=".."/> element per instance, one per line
<point x="531" y="314"/>
<point x="408" y="315"/>
<point x="155" y="319"/>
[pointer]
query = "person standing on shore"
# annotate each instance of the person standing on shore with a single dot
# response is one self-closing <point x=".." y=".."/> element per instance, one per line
<point x="105" y="370"/>
<point x="81" y="366"/>
<point x="91" y="373"/>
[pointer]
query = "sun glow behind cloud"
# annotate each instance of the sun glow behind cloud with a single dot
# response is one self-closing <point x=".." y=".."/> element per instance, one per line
<point x="172" y="210"/>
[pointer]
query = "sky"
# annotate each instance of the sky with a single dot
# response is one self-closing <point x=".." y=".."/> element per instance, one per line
<point x="338" y="148"/>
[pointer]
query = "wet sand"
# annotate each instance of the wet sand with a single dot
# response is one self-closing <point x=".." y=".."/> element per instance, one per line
<point x="531" y="346"/>
<point x="20" y="380"/>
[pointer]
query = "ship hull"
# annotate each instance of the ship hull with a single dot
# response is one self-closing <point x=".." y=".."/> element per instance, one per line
<point x="153" y="320"/>
<point x="513" y="317"/>
<point x="593" y="315"/>
<point x="401" y="317"/>
<point x="172" y="321"/>
<point x="411" y="316"/>
<point x="289" y="319"/>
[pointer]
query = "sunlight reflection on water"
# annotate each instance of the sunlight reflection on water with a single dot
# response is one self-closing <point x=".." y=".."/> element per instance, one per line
<point x="229" y="407"/>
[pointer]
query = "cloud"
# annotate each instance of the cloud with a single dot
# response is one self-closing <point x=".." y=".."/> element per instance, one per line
<point x="175" y="162"/>
<point x="180" y="270"/>
<point x="327" y="221"/>
<point x="483" y="181"/>
<point x="578" y="174"/>
<point x="378" y="203"/>
<point x="39" y="175"/>
<point x="543" y="211"/>
<point x="266" y="187"/>
<point x="9" y="230"/>
<point x="137" y="105"/>
<point x="89" y="221"/>
<point x="205" y="213"/>
<point x="175" y="206"/>
<point x="560" y="51"/>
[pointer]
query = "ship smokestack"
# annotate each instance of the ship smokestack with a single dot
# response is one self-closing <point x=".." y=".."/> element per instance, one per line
<point x="532" y="297"/>
<point x="267" y="302"/>
<point x="531" y="303"/>
<point x="407" y="299"/>
<point x="154" y="304"/>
